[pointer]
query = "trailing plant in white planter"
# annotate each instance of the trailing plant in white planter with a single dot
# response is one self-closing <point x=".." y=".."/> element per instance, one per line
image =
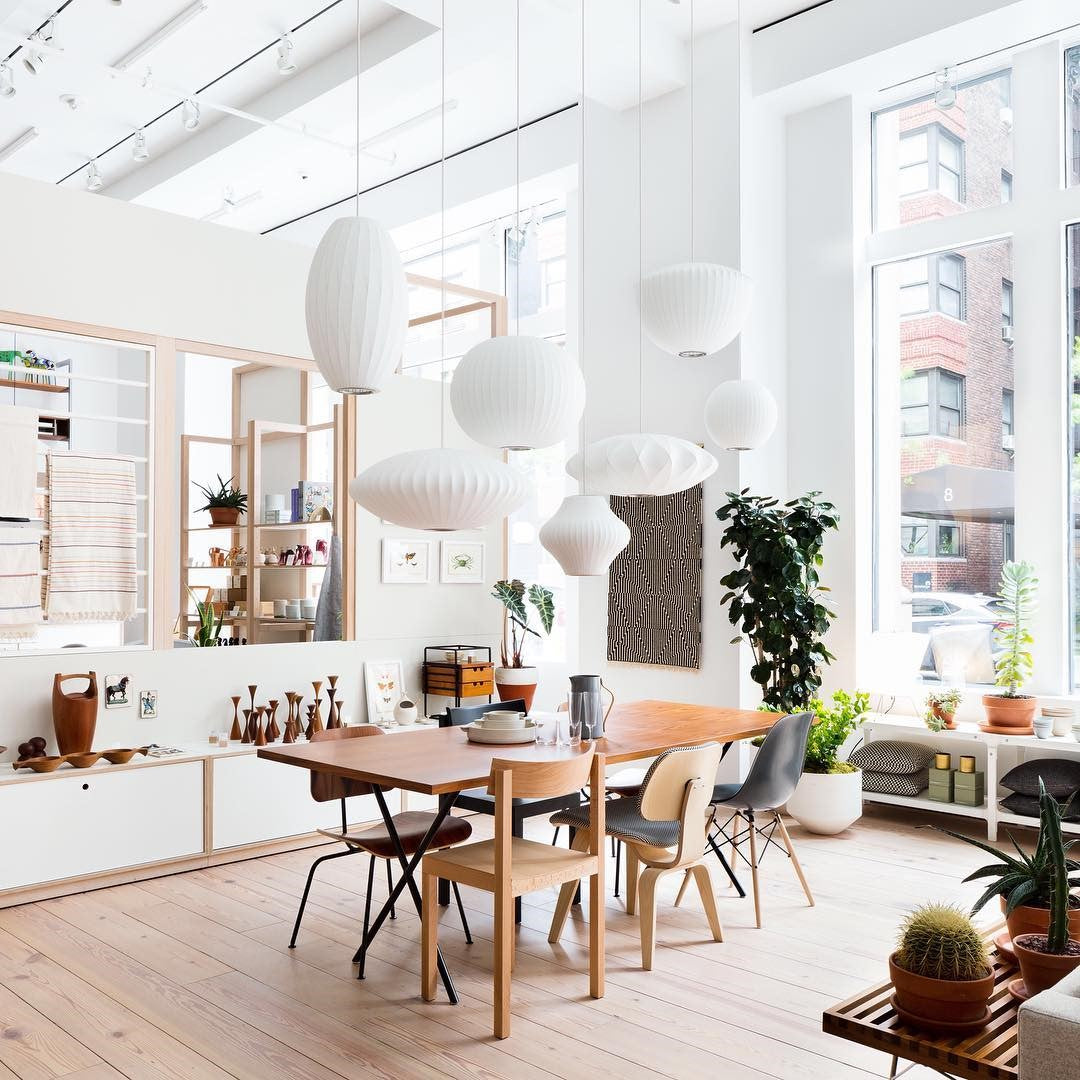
<point x="513" y="678"/>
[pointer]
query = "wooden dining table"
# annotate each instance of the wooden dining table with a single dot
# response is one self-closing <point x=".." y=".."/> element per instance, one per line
<point x="442" y="762"/>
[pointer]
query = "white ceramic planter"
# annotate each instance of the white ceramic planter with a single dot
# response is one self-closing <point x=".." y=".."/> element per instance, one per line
<point x="516" y="682"/>
<point x="827" y="803"/>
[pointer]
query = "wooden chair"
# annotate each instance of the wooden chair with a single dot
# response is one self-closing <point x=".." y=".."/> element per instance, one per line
<point x="665" y="830"/>
<point x="375" y="841"/>
<point x="509" y="866"/>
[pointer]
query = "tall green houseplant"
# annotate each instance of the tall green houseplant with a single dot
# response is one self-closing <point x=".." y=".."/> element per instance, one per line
<point x="1016" y="602"/>
<point x="774" y="593"/>
<point x="512" y="595"/>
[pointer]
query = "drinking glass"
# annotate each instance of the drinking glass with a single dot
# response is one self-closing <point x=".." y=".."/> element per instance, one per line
<point x="547" y="728"/>
<point x="570" y="723"/>
<point x="584" y="714"/>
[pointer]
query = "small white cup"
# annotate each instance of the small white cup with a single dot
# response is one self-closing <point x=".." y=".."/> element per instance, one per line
<point x="293" y="610"/>
<point x="280" y="609"/>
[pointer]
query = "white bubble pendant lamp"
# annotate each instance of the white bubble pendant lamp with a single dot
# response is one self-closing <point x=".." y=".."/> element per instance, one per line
<point x="356" y="306"/>
<point x="642" y="463"/>
<point x="695" y="308"/>
<point x="584" y="536"/>
<point x="440" y="489"/>
<point x="740" y="415"/>
<point x="517" y="393"/>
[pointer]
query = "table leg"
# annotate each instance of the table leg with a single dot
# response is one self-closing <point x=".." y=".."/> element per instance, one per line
<point x="406" y="880"/>
<point x="444" y="885"/>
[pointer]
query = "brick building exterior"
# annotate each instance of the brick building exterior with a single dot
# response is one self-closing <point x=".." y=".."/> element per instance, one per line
<point x="956" y="368"/>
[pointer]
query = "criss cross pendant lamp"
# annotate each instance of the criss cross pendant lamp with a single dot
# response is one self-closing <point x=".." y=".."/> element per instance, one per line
<point x="440" y="489"/>
<point x="584" y="536"/>
<point x="519" y="392"/>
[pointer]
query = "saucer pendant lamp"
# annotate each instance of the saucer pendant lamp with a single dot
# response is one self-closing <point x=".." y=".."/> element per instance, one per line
<point x="740" y="415"/>
<point x="439" y="488"/>
<point x="584" y="536"/>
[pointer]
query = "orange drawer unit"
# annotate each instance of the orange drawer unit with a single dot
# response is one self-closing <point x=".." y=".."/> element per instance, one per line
<point x="464" y="676"/>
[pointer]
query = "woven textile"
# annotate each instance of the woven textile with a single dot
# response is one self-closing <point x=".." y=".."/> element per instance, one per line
<point x="886" y="756"/>
<point x="896" y="783"/>
<point x="91" y="541"/>
<point x="1060" y="775"/>
<point x="20" y="583"/>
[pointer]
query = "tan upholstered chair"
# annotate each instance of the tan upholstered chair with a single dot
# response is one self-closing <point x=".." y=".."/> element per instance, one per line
<point x="664" y="830"/>
<point x="509" y="866"/>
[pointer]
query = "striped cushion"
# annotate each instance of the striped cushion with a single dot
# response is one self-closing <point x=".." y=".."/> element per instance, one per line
<point x="885" y="756"/>
<point x="895" y="784"/>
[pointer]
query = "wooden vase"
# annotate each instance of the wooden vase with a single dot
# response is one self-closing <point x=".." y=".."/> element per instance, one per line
<point x="310" y="730"/>
<point x="235" y="733"/>
<point x="251" y="690"/>
<point x="331" y="715"/>
<point x="75" y="715"/>
<point x="260" y="731"/>
<point x="317" y="720"/>
<point x="246" y="737"/>
<point x="273" y="732"/>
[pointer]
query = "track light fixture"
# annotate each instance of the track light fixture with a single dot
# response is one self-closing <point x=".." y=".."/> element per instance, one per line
<point x="93" y="177"/>
<point x="191" y="114"/>
<point x="7" y="80"/>
<point x="33" y="58"/>
<point x="140" y="151"/>
<point x="285" y="63"/>
<point x="945" y="88"/>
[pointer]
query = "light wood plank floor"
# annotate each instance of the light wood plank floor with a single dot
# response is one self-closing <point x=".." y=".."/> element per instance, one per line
<point x="190" y="976"/>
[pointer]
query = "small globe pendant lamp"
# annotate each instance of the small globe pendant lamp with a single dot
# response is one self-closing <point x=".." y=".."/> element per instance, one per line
<point x="740" y="415"/>
<point x="584" y="536"/>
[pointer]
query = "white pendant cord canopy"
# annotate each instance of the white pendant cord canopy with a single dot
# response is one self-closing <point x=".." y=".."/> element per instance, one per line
<point x="440" y="489"/>
<point x="584" y="536"/>
<point x="515" y="392"/>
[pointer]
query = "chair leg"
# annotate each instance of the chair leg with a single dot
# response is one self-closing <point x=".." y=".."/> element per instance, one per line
<point x="504" y="955"/>
<point x="307" y="889"/>
<point x="647" y="918"/>
<point x="794" y="858"/>
<point x="429" y="937"/>
<point x="390" y="887"/>
<point x="752" y="826"/>
<point x="555" y="838"/>
<point x="631" y="879"/>
<point x="700" y="874"/>
<point x="461" y="912"/>
<point x="517" y="829"/>
<point x="359" y="956"/>
<point x="566" y="894"/>
<point x="618" y="859"/>
<point x="682" y="888"/>
<point x="596" y="935"/>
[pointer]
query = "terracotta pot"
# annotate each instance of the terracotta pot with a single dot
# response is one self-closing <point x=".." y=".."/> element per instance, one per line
<point x="75" y="715"/>
<point x="1036" y="920"/>
<point x="947" y="718"/>
<point x="1041" y="970"/>
<point x="516" y="682"/>
<point x="224" y="515"/>
<point x="941" y="1000"/>
<point x="1016" y="714"/>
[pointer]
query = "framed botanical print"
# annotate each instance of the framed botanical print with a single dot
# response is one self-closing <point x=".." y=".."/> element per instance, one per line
<point x="461" y="562"/>
<point x="406" y="562"/>
<point x="382" y="683"/>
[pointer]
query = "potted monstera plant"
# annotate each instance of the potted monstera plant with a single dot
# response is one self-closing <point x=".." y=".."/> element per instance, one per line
<point x="514" y="678"/>
<point x="1011" y="712"/>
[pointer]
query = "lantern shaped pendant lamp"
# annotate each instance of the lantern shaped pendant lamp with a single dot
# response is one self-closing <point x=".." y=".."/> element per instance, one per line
<point x="642" y="463"/>
<point x="584" y="536"/>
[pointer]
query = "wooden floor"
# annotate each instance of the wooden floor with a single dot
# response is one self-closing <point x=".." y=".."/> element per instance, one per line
<point x="191" y="976"/>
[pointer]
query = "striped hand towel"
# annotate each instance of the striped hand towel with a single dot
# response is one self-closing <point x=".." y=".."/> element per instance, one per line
<point x="18" y="452"/>
<point x="20" y="583"/>
<point x="91" y="542"/>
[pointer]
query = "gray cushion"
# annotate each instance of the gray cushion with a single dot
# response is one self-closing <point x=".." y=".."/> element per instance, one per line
<point x="623" y="819"/>
<point x="896" y="784"/>
<point x="1028" y="806"/>
<point x="1060" y="775"/>
<point x="887" y="756"/>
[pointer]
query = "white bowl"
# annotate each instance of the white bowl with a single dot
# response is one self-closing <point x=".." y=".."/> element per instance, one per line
<point x="477" y="733"/>
<point x="503" y="718"/>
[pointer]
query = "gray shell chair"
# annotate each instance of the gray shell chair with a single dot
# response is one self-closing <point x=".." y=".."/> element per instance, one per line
<point x="771" y="781"/>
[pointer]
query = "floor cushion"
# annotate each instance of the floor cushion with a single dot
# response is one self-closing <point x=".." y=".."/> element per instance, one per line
<point x="887" y="756"/>
<point x="1060" y="775"/>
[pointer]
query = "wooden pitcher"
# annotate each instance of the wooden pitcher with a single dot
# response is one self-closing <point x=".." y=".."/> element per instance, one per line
<point x="75" y="714"/>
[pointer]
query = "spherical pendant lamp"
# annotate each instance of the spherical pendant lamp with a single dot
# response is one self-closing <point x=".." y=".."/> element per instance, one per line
<point x="517" y="393"/>
<point x="440" y="489"/>
<point x="740" y="415"/>
<point x="584" y="536"/>
<point x="356" y="306"/>
<point x="695" y="308"/>
<point x="643" y="464"/>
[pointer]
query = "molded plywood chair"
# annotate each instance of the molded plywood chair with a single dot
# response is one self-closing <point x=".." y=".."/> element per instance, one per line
<point x="509" y="866"/>
<point x="664" y="830"/>
<point x="375" y="841"/>
<point x="769" y="784"/>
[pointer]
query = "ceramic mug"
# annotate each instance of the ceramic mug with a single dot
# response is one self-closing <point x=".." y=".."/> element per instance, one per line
<point x="308" y="609"/>
<point x="293" y="610"/>
<point x="1043" y="726"/>
<point x="280" y="609"/>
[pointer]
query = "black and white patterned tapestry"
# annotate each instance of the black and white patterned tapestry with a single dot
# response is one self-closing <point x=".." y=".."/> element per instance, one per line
<point x="654" y="584"/>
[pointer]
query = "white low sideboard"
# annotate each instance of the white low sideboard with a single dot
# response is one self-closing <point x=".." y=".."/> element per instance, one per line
<point x="78" y="829"/>
<point x="994" y="755"/>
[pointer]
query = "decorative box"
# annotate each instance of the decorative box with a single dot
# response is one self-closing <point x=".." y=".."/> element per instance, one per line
<point x="941" y="785"/>
<point x="969" y="788"/>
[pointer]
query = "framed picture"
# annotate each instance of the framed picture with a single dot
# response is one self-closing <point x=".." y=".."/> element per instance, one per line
<point x="406" y="562"/>
<point x="461" y="562"/>
<point x="117" y="691"/>
<point x="147" y="704"/>
<point x="382" y="682"/>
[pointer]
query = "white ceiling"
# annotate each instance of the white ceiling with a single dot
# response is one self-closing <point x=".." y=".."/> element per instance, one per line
<point x="226" y="55"/>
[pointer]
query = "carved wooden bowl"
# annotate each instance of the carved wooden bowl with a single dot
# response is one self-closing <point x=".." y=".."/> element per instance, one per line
<point x="85" y="760"/>
<point x="40" y="764"/>
<point x="124" y="755"/>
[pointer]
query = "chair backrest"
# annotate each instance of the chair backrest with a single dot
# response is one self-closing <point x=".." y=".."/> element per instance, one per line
<point x="779" y="763"/>
<point x="325" y="787"/>
<point x="456" y="715"/>
<point x="678" y="787"/>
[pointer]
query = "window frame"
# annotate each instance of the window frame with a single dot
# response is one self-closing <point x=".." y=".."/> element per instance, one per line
<point x="936" y="133"/>
<point x="934" y="405"/>
<point x="934" y="286"/>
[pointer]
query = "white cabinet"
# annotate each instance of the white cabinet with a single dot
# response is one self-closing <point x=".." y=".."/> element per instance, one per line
<point x="257" y="800"/>
<point x="93" y="821"/>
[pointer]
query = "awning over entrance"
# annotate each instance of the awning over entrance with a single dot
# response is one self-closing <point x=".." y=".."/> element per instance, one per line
<point x="959" y="493"/>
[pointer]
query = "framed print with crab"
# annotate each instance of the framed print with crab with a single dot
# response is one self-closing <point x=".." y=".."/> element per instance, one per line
<point x="461" y="562"/>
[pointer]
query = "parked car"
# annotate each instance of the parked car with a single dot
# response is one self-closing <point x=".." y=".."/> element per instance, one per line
<point x="930" y="610"/>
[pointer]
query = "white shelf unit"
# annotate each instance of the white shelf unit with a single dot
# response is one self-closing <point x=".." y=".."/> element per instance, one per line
<point x="994" y="754"/>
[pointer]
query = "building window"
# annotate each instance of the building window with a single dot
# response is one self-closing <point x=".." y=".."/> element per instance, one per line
<point x="932" y="403"/>
<point x="931" y="159"/>
<point x="933" y="283"/>
<point x="1007" y="304"/>
<point x="1007" y="433"/>
<point x="1006" y="186"/>
<point x="921" y="539"/>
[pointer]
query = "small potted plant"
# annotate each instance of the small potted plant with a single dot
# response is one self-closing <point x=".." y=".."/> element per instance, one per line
<point x="941" y="970"/>
<point x="225" y="504"/>
<point x="208" y="629"/>
<point x="1046" y="958"/>
<point x="829" y="795"/>
<point x="513" y="679"/>
<point x="939" y="709"/>
<point x="1012" y="712"/>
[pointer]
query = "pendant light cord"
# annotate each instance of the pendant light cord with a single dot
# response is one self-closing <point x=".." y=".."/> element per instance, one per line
<point x="442" y="229"/>
<point x="581" y="270"/>
<point x="357" y="108"/>
<point x="641" y="212"/>
<point x="738" y="3"/>
<point x="519" y="240"/>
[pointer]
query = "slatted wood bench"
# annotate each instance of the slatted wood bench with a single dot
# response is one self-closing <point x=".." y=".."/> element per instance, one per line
<point x="991" y="1054"/>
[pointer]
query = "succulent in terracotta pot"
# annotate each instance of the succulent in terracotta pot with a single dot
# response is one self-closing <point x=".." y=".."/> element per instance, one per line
<point x="941" y="970"/>
<point x="1013" y="711"/>
<point x="940" y="709"/>
<point x="225" y="503"/>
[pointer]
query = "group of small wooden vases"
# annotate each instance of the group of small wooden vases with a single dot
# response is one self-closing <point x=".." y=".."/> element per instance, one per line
<point x="260" y="725"/>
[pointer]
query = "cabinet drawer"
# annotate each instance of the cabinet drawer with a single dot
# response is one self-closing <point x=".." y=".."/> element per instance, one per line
<point x="94" y="821"/>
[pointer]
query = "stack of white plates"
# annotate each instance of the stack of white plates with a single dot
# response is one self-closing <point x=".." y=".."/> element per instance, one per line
<point x="500" y="734"/>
